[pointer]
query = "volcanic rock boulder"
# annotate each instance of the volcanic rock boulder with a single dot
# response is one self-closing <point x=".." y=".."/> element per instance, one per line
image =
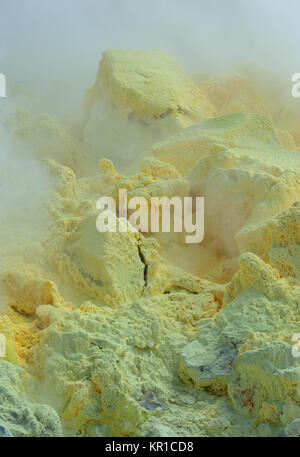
<point x="105" y="265"/>
<point x="28" y="292"/>
<point x="139" y="97"/>
<point x="277" y="241"/>
<point x="243" y="134"/>
<point x="264" y="379"/>
<point x="18" y="415"/>
<point x="238" y="165"/>
<point x="150" y="85"/>
<point x="247" y="349"/>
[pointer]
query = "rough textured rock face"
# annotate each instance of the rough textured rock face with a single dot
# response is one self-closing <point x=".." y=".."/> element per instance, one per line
<point x="244" y="350"/>
<point x="147" y="96"/>
<point x="150" y="85"/>
<point x="243" y="134"/>
<point x="107" y="265"/>
<point x="19" y="415"/>
<point x="141" y="334"/>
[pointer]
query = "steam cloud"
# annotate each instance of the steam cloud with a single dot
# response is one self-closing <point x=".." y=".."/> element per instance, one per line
<point x="53" y="47"/>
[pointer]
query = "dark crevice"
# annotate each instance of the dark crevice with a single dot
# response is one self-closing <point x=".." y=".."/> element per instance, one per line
<point x="146" y="266"/>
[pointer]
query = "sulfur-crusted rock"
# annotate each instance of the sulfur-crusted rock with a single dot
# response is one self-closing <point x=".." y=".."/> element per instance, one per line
<point x="150" y="85"/>
<point x="123" y="334"/>
<point x="262" y="380"/>
<point x="19" y="414"/>
<point x="247" y="348"/>
<point x="5" y="432"/>
<point x="139" y="97"/>
<point x="277" y="241"/>
<point x="244" y="134"/>
<point x="99" y="362"/>
<point x="208" y="366"/>
<point x="99" y="377"/>
<point x="292" y="430"/>
<point x="29" y="291"/>
<point x="107" y="265"/>
<point x="156" y="179"/>
<point x="239" y="201"/>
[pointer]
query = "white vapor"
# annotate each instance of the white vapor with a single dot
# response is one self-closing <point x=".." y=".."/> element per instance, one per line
<point x="53" y="46"/>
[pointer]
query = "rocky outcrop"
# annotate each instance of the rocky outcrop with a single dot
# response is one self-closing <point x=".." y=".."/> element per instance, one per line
<point x="19" y="416"/>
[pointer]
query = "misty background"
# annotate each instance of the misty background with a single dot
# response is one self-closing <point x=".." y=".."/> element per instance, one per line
<point x="52" y="47"/>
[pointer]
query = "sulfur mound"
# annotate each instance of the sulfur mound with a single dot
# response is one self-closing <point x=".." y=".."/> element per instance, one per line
<point x="137" y="333"/>
<point x="247" y="348"/>
<point x="139" y="97"/>
<point x="20" y="416"/>
<point x="106" y="264"/>
<point x="150" y="85"/>
<point x="244" y="134"/>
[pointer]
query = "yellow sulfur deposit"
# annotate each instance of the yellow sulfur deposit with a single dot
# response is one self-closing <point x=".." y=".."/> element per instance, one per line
<point x="140" y="334"/>
<point x="150" y="85"/>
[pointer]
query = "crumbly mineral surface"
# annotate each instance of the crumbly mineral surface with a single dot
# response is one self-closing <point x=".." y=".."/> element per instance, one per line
<point x="141" y="334"/>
